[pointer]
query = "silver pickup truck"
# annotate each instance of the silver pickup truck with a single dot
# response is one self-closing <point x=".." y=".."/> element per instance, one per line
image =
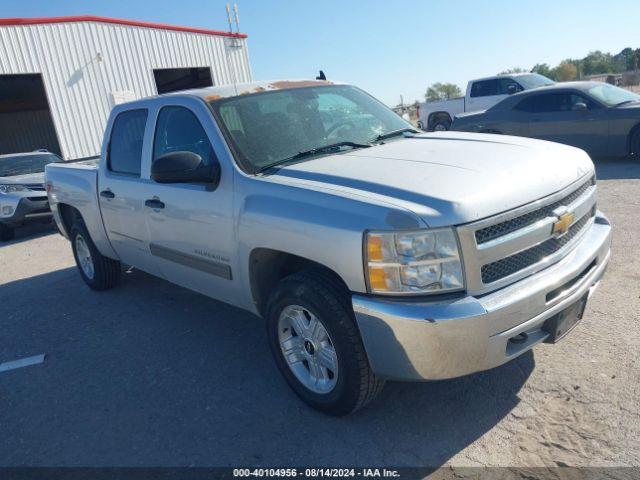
<point x="372" y="251"/>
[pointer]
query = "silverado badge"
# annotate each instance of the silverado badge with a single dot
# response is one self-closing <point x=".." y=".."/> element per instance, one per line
<point x="561" y="226"/>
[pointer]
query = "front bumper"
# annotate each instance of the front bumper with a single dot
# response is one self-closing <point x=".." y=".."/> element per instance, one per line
<point x="430" y="340"/>
<point x="24" y="209"/>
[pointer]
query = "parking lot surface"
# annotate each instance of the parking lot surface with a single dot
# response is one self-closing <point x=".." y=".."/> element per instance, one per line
<point x="150" y="374"/>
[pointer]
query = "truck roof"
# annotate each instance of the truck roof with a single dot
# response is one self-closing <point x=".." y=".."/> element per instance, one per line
<point x="490" y="77"/>
<point x="210" y="94"/>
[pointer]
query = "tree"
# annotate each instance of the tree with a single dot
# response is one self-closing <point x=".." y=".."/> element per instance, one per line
<point x="543" y="69"/>
<point x="565" y="72"/>
<point x="597" y="62"/>
<point x="513" y="70"/>
<point x="442" y="91"/>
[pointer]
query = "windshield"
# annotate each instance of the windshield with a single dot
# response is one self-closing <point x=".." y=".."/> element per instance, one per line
<point x="533" y="80"/>
<point x="265" y="128"/>
<point x="612" y="96"/>
<point x="24" y="164"/>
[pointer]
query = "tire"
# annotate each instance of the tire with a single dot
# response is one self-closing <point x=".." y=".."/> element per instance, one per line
<point x="353" y="384"/>
<point x="6" y="233"/>
<point x="634" y="144"/>
<point x="442" y="125"/>
<point x="97" y="271"/>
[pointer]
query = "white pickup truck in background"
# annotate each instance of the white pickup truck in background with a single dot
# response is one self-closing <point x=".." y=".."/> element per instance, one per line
<point x="481" y="94"/>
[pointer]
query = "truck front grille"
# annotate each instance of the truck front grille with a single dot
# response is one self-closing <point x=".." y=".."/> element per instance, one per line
<point x="495" y="271"/>
<point x="495" y="231"/>
<point x="512" y="245"/>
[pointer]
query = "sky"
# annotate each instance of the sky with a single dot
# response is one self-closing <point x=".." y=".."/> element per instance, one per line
<point x="388" y="48"/>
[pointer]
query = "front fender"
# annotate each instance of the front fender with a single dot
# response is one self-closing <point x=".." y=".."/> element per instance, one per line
<point x="326" y="228"/>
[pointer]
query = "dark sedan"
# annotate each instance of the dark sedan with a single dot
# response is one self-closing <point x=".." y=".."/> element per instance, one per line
<point x="597" y="117"/>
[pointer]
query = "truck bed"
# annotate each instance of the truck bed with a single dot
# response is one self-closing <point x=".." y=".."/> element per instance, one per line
<point x="75" y="184"/>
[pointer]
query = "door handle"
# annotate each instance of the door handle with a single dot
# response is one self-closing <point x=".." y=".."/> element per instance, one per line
<point x="107" y="194"/>
<point x="154" y="203"/>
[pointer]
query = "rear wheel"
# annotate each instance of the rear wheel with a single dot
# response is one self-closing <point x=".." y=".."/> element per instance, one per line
<point x="317" y="346"/>
<point x="97" y="271"/>
<point x="442" y="125"/>
<point x="6" y="233"/>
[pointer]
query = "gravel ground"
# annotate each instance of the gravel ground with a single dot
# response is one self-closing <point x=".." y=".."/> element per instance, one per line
<point x="152" y="374"/>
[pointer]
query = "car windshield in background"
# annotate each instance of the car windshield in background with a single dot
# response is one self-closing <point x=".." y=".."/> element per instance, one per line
<point x="534" y="80"/>
<point x="612" y="96"/>
<point x="25" y="164"/>
<point x="270" y="127"/>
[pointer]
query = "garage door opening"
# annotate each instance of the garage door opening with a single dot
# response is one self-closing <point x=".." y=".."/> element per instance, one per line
<point x="173" y="79"/>
<point x="25" y="117"/>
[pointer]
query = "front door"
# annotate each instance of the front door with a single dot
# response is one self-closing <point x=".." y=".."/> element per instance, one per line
<point x="121" y="190"/>
<point x="570" y="118"/>
<point x="484" y="94"/>
<point x="191" y="230"/>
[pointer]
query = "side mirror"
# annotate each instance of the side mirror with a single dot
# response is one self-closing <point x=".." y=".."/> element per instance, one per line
<point x="580" y="107"/>
<point x="512" y="88"/>
<point x="185" y="167"/>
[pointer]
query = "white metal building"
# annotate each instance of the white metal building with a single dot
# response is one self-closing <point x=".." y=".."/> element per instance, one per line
<point x="60" y="77"/>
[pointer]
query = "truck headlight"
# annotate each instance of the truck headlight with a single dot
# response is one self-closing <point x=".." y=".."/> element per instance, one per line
<point x="9" y="188"/>
<point x="426" y="261"/>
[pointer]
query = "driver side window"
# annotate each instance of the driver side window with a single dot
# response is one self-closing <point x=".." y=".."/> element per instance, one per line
<point x="508" y="86"/>
<point x="178" y="130"/>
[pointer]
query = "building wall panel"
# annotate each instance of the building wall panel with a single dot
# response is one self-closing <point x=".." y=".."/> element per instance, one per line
<point x="83" y="63"/>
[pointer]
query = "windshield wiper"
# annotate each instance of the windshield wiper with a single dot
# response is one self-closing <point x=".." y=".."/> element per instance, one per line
<point x="311" y="152"/>
<point x="393" y="133"/>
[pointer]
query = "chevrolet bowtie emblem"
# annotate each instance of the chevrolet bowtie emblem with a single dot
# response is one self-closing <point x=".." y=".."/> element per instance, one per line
<point x="561" y="226"/>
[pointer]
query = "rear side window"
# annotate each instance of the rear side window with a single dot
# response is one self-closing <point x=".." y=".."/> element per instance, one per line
<point x="484" y="88"/>
<point x="178" y="130"/>
<point x="525" y="105"/>
<point x="125" y="146"/>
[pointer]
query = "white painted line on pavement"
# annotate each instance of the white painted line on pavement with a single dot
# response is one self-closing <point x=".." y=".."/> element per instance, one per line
<point x="23" y="362"/>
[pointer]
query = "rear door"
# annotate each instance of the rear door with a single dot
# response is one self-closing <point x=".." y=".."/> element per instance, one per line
<point x="192" y="235"/>
<point x="558" y="117"/>
<point x="121" y="190"/>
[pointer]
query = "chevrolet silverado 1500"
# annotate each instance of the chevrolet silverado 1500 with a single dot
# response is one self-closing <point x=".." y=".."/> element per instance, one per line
<point x="372" y="251"/>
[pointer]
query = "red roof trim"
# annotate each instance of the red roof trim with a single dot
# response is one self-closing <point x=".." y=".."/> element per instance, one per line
<point x="118" y="21"/>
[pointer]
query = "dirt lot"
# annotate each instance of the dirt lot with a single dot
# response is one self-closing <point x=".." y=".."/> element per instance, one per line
<point x="151" y="374"/>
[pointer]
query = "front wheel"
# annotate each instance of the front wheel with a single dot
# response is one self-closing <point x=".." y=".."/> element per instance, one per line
<point x="317" y="346"/>
<point x="97" y="271"/>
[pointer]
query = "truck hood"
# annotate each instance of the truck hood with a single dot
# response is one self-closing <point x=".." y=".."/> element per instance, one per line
<point x="447" y="178"/>
<point x="24" y="179"/>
